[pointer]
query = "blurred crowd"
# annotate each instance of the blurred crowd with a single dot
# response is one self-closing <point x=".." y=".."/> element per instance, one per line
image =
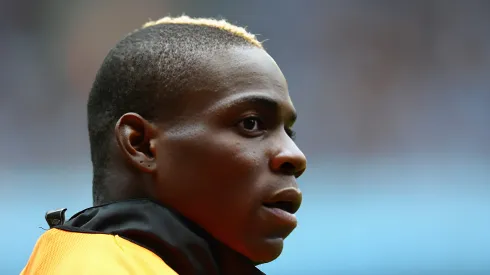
<point x="368" y="77"/>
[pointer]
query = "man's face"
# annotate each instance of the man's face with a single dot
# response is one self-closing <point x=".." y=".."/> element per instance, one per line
<point x="229" y="164"/>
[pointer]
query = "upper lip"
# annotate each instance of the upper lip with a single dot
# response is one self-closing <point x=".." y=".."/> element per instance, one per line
<point x="288" y="199"/>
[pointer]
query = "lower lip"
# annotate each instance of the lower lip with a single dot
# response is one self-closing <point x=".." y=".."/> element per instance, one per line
<point x="282" y="215"/>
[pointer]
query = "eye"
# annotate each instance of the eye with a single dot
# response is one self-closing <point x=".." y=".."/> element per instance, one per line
<point x="251" y="125"/>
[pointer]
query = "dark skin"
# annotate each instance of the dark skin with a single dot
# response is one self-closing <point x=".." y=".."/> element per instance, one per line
<point x="227" y="158"/>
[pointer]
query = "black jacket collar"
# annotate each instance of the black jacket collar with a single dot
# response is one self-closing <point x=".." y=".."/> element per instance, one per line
<point x="184" y="246"/>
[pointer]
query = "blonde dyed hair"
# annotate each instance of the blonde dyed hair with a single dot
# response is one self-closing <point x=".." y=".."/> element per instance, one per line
<point x="208" y="22"/>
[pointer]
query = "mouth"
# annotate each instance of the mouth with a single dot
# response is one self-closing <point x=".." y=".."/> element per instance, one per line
<point x="287" y="206"/>
<point x="287" y="200"/>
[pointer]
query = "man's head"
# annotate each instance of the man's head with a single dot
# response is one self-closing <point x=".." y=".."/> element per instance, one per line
<point x="195" y="114"/>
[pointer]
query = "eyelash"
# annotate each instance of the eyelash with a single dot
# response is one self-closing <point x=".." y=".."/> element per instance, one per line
<point x="256" y="119"/>
<point x="289" y="132"/>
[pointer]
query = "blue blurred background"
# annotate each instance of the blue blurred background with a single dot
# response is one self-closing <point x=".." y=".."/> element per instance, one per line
<point x="394" y="115"/>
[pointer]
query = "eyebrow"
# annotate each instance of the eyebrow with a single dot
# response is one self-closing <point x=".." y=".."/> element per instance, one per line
<point x="264" y="101"/>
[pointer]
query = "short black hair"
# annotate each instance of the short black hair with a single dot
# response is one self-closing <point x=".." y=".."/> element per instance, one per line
<point x="145" y="72"/>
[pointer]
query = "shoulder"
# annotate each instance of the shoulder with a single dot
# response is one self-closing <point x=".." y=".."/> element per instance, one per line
<point x="65" y="252"/>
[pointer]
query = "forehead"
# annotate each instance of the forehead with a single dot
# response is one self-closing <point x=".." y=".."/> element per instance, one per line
<point x="244" y="70"/>
<point x="242" y="67"/>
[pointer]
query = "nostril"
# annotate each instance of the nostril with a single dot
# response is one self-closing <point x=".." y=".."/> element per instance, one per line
<point x="288" y="168"/>
<point x="298" y="173"/>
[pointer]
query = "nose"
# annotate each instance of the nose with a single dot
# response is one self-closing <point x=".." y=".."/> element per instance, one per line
<point x="289" y="160"/>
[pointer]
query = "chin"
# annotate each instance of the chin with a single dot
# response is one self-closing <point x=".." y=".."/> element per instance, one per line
<point x="266" y="252"/>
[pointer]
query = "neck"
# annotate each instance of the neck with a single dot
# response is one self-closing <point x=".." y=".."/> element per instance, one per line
<point x="229" y="260"/>
<point x="122" y="185"/>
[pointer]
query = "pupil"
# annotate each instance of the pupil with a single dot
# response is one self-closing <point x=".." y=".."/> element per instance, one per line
<point x="249" y="124"/>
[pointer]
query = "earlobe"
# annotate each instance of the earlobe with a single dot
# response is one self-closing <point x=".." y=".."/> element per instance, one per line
<point x="136" y="139"/>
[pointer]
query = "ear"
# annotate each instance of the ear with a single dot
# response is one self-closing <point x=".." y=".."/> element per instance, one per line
<point x="136" y="138"/>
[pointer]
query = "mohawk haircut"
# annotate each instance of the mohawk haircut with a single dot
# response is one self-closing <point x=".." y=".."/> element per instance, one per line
<point x="145" y="73"/>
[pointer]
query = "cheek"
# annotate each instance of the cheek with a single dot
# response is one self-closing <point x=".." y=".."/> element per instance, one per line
<point x="216" y="169"/>
<point x="228" y="167"/>
<point x="216" y="181"/>
<point x="233" y="161"/>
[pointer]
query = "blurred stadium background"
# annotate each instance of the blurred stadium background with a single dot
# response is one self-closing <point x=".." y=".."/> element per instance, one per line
<point x="394" y="106"/>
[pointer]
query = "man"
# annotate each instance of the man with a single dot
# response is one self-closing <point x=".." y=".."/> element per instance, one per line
<point x="194" y="163"/>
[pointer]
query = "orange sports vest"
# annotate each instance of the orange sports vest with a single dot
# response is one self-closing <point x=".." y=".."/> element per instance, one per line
<point x="59" y="252"/>
<point x="128" y="237"/>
